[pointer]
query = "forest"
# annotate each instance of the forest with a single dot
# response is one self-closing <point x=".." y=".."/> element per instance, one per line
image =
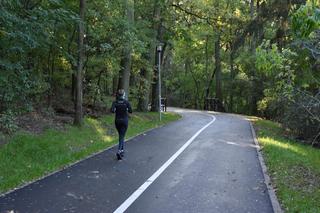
<point x="253" y="57"/>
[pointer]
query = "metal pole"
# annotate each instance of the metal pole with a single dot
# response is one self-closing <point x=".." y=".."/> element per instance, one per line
<point x="159" y="72"/>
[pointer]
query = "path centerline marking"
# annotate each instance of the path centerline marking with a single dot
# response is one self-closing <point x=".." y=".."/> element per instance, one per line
<point x="127" y="203"/>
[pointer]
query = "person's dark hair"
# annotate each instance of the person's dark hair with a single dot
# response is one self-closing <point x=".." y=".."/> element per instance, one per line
<point x="121" y="93"/>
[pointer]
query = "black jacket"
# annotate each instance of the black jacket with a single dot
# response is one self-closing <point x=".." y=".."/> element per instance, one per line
<point x="121" y="107"/>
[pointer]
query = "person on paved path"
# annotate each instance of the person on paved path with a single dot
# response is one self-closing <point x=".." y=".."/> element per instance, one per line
<point x="121" y="107"/>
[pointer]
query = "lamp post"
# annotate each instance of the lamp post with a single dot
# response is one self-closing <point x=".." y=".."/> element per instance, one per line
<point x="159" y="50"/>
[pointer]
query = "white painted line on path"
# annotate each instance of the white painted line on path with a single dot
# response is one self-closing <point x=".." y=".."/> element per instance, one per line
<point x="125" y="205"/>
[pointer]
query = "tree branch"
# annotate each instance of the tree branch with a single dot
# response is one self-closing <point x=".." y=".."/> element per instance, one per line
<point x="206" y="19"/>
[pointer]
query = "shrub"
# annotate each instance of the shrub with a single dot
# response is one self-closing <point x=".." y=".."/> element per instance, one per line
<point x="7" y="122"/>
<point x="303" y="116"/>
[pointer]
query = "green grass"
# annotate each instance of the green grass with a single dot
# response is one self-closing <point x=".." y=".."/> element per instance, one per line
<point x="27" y="157"/>
<point x="294" y="168"/>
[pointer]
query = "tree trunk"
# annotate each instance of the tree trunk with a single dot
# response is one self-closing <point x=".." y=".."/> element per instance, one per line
<point x="98" y="88"/>
<point x="51" y="67"/>
<point x="78" y="103"/>
<point x="154" y="87"/>
<point x="232" y="76"/>
<point x="197" y="95"/>
<point x="218" y="69"/>
<point x="125" y="64"/>
<point x="209" y="84"/>
<point x="51" y="81"/>
<point x="73" y="65"/>
<point x="114" y="84"/>
<point x="49" y="77"/>
<point x="252" y="9"/>
<point x="143" y="90"/>
<point x="167" y="63"/>
<point x="73" y="87"/>
<point x="253" y="100"/>
<point x="207" y="65"/>
<point x="158" y="37"/>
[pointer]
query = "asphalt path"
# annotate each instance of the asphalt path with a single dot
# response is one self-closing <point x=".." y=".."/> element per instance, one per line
<point x="217" y="171"/>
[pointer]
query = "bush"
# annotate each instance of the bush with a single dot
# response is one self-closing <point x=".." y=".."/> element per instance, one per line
<point x="7" y="122"/>
<point x="303" y="116"/>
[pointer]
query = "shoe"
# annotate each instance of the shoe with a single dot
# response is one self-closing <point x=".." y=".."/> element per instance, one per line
<point x="119" y="157"/>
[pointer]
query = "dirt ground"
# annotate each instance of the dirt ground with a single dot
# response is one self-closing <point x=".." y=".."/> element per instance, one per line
<point x="36" y="123"/>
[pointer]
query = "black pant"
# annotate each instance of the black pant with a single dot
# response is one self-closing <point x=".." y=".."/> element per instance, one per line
<point x="122" y="126"/>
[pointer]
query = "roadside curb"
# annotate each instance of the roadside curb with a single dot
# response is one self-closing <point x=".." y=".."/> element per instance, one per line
<point x="274" y="200"/>
<point x="83" y="159"/>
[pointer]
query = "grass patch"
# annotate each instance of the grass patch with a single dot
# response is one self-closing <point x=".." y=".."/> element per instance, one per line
<point x="27" y="157"/>
<point x="293" y="167"/>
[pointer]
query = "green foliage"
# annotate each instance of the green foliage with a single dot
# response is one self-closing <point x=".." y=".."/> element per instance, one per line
<point x="274" y="64"/>
<point x="306" y="28"/>
<point x="291" y="95"/>
<point x="306" y="20"/>
<point x="29" y="34"/>
<point x="298" y="110"/>
<point x="302" y="116"/>
<point x="7" y="122"/>
<point x="268" y="59"/>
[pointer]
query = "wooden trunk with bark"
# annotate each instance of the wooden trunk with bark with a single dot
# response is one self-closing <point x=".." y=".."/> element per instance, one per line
<point x="125" y="64"/>
<point x="78" y="117"/>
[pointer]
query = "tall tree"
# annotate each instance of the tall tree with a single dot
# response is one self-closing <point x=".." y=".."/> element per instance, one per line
<point x="254" y="41"/>
<point x="79" y="96"/>
<point x="217" y="56"/>
<point x="147" y="72"/>
<point x="125" y="64"/>
<point x="158" y="37"/>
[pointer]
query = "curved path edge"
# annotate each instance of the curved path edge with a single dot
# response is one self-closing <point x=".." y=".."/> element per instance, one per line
<point x="273" y="197"/>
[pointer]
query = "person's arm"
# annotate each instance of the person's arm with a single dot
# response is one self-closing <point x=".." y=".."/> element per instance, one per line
<point x="113" y="107"/>
<point x="129" y="107"/>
